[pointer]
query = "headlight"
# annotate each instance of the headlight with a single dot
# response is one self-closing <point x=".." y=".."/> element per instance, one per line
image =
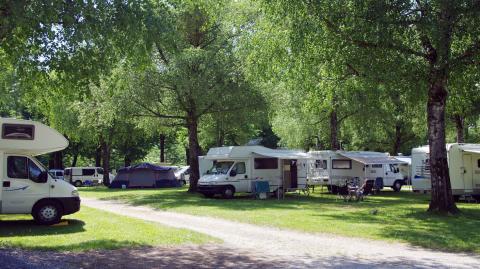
<point x="75" y="193"/>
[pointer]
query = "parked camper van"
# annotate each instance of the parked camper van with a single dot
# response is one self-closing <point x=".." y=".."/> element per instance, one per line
<point x="463" y="166"/>
<point x="234" y="169"/>
<point x="25" y="185"/>
<point x="85" y="176"/>
<point x="56" y="173"/>
<point x="335" y="168"/>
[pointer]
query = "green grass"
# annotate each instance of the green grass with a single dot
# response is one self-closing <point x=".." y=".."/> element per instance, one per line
<point x="401" y="217"/>
<point x="91" y="229"/>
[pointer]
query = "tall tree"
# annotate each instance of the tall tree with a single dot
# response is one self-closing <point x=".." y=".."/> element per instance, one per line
<point x="193" y="73"/>
<point x="435" y="37"/>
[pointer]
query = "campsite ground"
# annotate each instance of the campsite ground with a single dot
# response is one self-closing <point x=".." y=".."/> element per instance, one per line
<point x="390" y="216"/>
<point x="92" y="229"/>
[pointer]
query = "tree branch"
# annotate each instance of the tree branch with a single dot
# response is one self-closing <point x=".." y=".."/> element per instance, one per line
<point x="468" y="55"/>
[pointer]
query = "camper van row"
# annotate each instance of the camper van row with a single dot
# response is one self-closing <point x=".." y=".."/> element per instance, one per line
<point x="28" y="188"/>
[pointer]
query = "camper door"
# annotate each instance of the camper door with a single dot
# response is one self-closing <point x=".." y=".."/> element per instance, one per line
<point x="239" y="174"/>
<point x="22" y="185"/>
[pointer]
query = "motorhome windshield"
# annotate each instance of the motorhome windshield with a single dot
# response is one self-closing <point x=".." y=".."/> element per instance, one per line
<point x="220" y="168"/>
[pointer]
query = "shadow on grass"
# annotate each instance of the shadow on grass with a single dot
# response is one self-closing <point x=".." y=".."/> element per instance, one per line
<point x="20" y="228"/>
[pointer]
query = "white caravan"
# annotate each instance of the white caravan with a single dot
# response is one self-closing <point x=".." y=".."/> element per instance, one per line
<point x="235" y="168"/>
<point x="335" y="168"/>
<point x="463" y="166"/>
<point x="81" y="176"/>
<point x="25" y="185"/>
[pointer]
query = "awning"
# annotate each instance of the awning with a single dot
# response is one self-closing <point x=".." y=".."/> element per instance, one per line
<point x="285" y="155"/>
<point x="472" y="150"/>
<point x="371" y="158"/>
<point x="404" y="159"/>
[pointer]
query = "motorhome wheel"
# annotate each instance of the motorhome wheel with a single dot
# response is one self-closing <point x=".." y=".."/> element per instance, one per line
<point x="228" y="192"/>
<point x="397" y="186"/>
<point x="77" y="183"/>
<point x="47" y="213"/>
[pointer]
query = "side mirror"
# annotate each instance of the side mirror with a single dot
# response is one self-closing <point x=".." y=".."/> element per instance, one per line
<point x="233" y="173"/>
<point x="43" y="177"/>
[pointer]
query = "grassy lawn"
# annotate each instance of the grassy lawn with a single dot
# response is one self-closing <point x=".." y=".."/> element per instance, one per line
<point x="91" y="229"/>
<point x="400" y="216"/>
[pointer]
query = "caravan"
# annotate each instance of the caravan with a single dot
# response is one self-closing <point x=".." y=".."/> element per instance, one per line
<point x="235" y="168"/>
<point x="25" y="185"/>
<point x="463" y="166"/>
<point x="335" y="168"/>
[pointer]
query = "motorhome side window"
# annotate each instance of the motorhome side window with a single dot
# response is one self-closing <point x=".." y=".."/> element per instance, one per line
<point x="88" y="172"/>
<point x="17" y="167"/>
<point x="321" y="164"/>
<point x="240" y="168"/>
<point x="266" y="163"/>
<point x="376" y="166"/>
<point x="18" y="131"/>
<point x="342" y="164"/>
<point x="100" y="171"/>
<point x="21" y="167"/>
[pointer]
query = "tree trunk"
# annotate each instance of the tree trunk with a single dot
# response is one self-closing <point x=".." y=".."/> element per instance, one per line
<point x="442" y="199"/>
<point x="106" y="161"/>
<point x="74" y="159"/>
<point x="460" y="126"/>
<point x="127" y="161"/>
<point x="56" y="160"/>
<point x="398" y="139"/>
<point x="193" y="151"/>
<point x="334" y="145"/>
<point x="98" y="156"/>
<point x="162" y="148"/>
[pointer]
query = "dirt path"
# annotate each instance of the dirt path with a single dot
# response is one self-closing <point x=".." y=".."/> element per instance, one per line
<point x="295" y="249"/>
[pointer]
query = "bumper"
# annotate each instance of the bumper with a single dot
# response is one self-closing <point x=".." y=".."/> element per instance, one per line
<point x="70" y="204"/>
<point x="210" y="189"/>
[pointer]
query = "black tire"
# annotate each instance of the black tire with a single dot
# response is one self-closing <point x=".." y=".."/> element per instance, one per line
<point x="228" y="192"/>
<point x="77" y="183"/>
<point x="456" y="198"/>
<point x="47" y="212"/>
<point x="208" y="195"/>
<point x="397" y="186"/>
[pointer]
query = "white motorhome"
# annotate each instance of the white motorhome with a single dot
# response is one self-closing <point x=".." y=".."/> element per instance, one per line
<point x="25" y="185"/>
<point x="235" y="168"/>
<point x="81" y="176"/>
<point x="463" y="166"/>
<point x="335" y="168"/>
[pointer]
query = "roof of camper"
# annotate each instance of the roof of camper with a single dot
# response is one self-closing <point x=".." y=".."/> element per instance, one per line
<point x="473" y="148"/>
<point x="45" y="139"/>
<point x="245" y="152"/>
<point x="405" y="159"/>
<point x="370" y="157"/>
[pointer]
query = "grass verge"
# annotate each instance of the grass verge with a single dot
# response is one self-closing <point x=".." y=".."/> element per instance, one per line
<point x="92" y="229"/>
<point x="390" y="216"/>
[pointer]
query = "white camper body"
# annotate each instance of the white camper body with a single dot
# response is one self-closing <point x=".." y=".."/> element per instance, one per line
<point x="25" y="185"/>
<point x="235" y="168"/>
<point x="463" y="167"/>
<point x="80" y="176"/>
<point x="335" y="168"/>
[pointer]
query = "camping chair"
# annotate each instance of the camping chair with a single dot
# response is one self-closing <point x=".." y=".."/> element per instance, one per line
<point x="367" y="187"/>
<point x="343" y="192"/>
